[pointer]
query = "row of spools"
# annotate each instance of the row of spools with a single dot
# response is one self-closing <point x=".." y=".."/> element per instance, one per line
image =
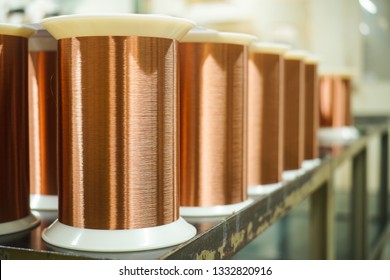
<point x="128" y="117"/>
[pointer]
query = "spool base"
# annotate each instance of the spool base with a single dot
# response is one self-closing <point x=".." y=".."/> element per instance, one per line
<point x="95" y="240"/>
<point x="337" y="135"/>
<point x="264" y="189"/>
<point x="44" y="202"/>
<point x="22" y="224"/>
<point x="289" y="175"/>
<point x="213" y="211"/>
<point x="309" y="164"/>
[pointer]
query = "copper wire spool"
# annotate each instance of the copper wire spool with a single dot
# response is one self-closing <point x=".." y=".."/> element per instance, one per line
<point x="43" y="117"/>
<point x="118" y="129"/>
<point x="265" y="114"/>
<point x="294" y="81"/>
<point x="14" y="129"/>
<point x="213" y="92"/>
<point x="14" y="150"/>
<point x="335" y="100"/>
<point x="118" y="142"/>
<point x="118" y="137"/>
<point x="311" y="109"/>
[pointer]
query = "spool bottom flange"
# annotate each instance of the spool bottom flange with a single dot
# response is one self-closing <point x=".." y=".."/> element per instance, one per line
<point x="95" y="240"/>
<point x="22" y="224"/>
<point x="264" y="189"/>
<point x="213" y="211"/>
<point x="310" y="164"/>
<point x="290" y="175"/>
<point x="44" y="202"/>
<point x="337" y="135"/>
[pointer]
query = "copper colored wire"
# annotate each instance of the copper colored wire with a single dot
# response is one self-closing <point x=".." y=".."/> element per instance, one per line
<point x="335" y="101"/>
<point x="213" y="92"/>
<point x="43" y="122"/>
<point x="265" y="118"/>
<point x="118" y="124"/>
<point x="14" y="150"/>
<point x="311" y="111"/>
<point x="294" y="113"/>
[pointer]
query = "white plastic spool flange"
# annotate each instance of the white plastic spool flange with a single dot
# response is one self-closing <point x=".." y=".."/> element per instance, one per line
<point x="337" y="135"/>
<point x="213" y="211"/>
<point x="96" y="240"/>
<point x="22" y="224"/>
<point x="290" y="175"/>
<point x="264" y="189"/>
<point x="44" y="202"/>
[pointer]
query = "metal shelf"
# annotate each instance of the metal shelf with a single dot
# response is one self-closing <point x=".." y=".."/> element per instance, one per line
<point x="222" y="238"/>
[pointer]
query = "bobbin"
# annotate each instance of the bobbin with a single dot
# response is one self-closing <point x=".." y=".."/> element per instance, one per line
<point x="214" y="48"/>
<point x="298" y="128"/>
<point x="13" y="125"/>
<point x="342" y="132"/>
<point x="127" y="30"/>
<point x="265" y="148"/>
<point x="337" y="135"/>
<point x="43" y="120"/>
<point x="312" y="113"/>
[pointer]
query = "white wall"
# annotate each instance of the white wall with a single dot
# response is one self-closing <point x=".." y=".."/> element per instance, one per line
<point x="97" y="6"/>
<point x="333" y="33"/>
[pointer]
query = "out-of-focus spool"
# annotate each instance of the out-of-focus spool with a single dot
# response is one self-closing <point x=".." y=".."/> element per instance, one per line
<point x="15" y="212"/>
<point x="119" y="132"/>
<point x="294" y="104"/>
<point x="43" y="120"/>
<point x="265" y="117"/>
<point x="335" y="109"/>
<point x="312" y="114"/>
<point x="213" y="92"/>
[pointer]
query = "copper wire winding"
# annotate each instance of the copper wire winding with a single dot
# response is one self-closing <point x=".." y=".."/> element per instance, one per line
<point x="294" y="114"/>
<point x="43" y="122"/>
<point x="311" y="111"/>
<point x="335" y="101"/>
<point x="265" y="118"/>
<point x="213" y="92"/>
<point x="14" y="150"/>
<point x="118" y="123"/>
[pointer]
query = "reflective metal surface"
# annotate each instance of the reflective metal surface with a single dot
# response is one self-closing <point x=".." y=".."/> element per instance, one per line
<point x="14" y="149"/>
<point x="118" y="132"/>
<point x="265" y="118"/>
<point x="294" y="100"/>
<point x="335" y="101"/>
<point x="312" y="106"/>
<point x="43" y="122"/>
<point x="213" y="92"/>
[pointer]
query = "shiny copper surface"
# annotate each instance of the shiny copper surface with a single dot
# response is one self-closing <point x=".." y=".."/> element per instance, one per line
<point x="43" y="122"/>
<point x="213" y="92"/>
<point x="118" y="124"/>
<point x="14" y="150"/>
<point x="265" y="118"/>
<point x="294" y="114"/>
<point x="335" y="101"/>
<point x="311" y="111"/>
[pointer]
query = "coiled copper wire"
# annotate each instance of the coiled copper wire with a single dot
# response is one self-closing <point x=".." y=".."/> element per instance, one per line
<point x="311" y="111"/>
<point x="265" y="118"/>
<point x="213" y="91"/>
<point x="335" y="100"/>
<point x="14" y="150"/>
<point x="119" y="132"/>
<point x="294" y="81"/>
<point x="43" y="118"/>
